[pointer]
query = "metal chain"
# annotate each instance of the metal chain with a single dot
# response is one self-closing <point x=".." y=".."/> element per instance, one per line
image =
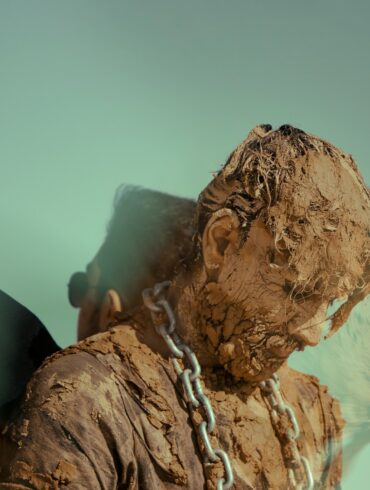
<point x="271" y="389"/>
<point x="190" y="378"/>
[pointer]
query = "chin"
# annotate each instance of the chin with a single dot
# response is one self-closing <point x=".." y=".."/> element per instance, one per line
<point x="269" y="368"/>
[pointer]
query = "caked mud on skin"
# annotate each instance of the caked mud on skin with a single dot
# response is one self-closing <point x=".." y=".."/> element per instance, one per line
<point x="291" y="196"/>
<point x="281" y="231"/>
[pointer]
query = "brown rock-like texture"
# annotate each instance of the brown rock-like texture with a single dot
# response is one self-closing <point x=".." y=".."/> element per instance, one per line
<point x="108" y="413"/>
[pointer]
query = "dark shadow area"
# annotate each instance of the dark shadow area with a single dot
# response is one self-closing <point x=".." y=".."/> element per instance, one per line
<point x="24" y="344"/>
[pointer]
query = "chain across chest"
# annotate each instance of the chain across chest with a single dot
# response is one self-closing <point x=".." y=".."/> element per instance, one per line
<point x="188" y="371"/>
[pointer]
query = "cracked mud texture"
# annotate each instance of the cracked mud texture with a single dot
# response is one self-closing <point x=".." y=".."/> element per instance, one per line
<point x="108" y="412"/>
<point x="303" y="216"/>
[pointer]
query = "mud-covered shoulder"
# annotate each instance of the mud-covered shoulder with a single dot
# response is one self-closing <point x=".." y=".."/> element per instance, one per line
<point x="90" y="368"/>
<point x="308" y="385"/>
<point x="123" y="342"/>
<point x="309" y="396"/>
<point x="320" y="420"/>
<point x="90" y="373"/>
<point x="69" y="384"/>
<point x="72" y="411"/>
<point x="300" y="386"/>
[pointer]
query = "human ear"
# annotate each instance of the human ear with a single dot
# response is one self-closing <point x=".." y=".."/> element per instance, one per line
<point x="110" y="305"/>
<point x="220" y="233"/>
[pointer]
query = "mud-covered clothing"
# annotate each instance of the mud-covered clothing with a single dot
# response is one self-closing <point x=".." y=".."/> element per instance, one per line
<point x="108" y="414"/>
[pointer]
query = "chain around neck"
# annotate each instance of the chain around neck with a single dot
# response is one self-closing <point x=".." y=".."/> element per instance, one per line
<point x="195" y="397"/>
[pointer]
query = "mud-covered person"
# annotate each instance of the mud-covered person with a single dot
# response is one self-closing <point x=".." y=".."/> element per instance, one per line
<point x="281" y="231"/>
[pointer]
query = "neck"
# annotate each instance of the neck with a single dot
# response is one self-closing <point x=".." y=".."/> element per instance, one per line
<point x="187" y="298"/>
<point x="140" y="320"/>
<point x="220" y="331"/>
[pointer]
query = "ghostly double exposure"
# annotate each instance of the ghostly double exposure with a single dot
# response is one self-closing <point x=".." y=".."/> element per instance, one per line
<point x="188" y="314"/>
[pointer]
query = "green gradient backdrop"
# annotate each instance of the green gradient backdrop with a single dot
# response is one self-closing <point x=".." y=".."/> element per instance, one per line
<point x="157" y="93"/>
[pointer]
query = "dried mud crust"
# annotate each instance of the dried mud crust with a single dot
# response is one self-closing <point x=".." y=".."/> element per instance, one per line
<point x="303" y="219"/>
<point x="258" y="450"/>
<point x="313" y="200"/>
<point x="94" y="413"/>
<point x="114" y="424"/>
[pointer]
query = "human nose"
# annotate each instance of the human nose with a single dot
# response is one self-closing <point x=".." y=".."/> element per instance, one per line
<point x="311" y="331"/>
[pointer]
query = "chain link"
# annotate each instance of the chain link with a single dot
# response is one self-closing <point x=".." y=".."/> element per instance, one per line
<point x="271" y="389"/>
<point x="190" y="378"/>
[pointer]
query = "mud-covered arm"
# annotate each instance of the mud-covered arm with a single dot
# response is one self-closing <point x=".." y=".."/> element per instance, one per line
<point x="70" y="431"/>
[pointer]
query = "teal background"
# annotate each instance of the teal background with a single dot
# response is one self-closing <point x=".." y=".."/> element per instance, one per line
<point x="156" y="93"/>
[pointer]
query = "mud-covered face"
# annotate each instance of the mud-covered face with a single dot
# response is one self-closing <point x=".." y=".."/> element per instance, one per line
<point x="253" y="317"/>
<point x="309" y="246"/>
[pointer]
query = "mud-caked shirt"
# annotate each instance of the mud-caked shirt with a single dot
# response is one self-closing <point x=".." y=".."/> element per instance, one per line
<point x="108" y="413"/>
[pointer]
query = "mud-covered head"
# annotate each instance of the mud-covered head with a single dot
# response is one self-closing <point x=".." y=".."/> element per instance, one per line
<point x="282" y="230"/>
